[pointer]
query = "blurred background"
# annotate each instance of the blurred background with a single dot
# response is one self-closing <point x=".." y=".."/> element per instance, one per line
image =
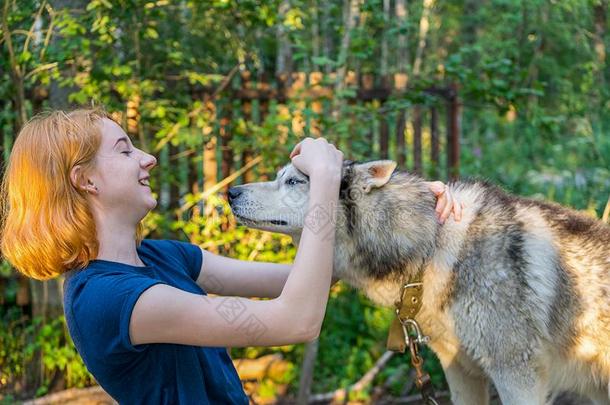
<point x="513" y="91"/>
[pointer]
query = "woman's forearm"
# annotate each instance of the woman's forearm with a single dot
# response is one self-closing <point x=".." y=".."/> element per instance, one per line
<point x="308" y="284"/>
<point x="226" y="276"/>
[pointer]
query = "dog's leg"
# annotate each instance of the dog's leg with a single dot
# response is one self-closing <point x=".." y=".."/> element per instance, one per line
<point x="466" y="388"/>
<point x="521" y="387"/>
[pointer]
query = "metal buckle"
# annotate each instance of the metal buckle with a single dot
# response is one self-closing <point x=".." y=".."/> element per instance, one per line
<point x="419" y="337"/>
<point x="409" y="285"/>
<point x="404" y="288"/>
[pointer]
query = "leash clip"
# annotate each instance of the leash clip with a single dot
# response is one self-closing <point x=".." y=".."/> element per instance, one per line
<point x="411" y="329"/>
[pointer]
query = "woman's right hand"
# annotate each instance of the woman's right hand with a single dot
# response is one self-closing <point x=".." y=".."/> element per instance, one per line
<point x="317" y="157"/>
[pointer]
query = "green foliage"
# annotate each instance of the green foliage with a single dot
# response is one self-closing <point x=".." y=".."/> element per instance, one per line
<point x="14" y="348"/>
<point x="531" y="78"/>
<point x="352" y="338"/>
<point x="21" y="338"/>
<point x="59" y="354"/>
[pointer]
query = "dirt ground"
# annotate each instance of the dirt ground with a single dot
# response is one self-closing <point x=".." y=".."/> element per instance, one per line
<point x="96" y="396"/>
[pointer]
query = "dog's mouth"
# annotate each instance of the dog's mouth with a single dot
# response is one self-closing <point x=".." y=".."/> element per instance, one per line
<point x="246" y="220"/>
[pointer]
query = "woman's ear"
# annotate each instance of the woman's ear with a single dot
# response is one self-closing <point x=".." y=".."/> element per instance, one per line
<point x="80" y="182"/>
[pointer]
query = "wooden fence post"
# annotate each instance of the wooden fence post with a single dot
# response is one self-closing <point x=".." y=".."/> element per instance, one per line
<point x="453" y="134"/>
<point x="417" y="124"/>
<point x="434" y="147"/>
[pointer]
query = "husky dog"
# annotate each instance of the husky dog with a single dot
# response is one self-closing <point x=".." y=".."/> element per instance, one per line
<point x="516" y="293"/>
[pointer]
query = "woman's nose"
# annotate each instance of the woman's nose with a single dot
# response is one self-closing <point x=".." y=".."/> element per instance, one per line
<point x="150" y="161"/>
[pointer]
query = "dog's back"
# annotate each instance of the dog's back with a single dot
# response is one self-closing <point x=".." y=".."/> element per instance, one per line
<point x="536" y="277"/>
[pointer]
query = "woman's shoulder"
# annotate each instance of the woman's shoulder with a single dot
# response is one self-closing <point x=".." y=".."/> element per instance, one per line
<point x="162" y="244"/>
<point x="101" y="272"/>
<point x="103" y="284"/>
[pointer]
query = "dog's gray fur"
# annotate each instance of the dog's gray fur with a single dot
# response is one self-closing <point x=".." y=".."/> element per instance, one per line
<point x="517" y="292"/>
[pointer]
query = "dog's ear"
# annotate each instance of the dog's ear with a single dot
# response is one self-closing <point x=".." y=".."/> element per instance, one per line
<point x="376" y="173"/>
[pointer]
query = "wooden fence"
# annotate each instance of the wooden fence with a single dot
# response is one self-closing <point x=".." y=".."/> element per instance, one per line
<point x="396" y="131"/>
<point x="239" y="95"/>
<point x="255" y="96"/>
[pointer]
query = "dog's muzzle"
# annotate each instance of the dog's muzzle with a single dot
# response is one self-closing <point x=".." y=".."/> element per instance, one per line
<point x="234" y="193"/>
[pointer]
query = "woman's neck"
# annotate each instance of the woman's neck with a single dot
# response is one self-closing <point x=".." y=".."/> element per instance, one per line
<point x="117" y="243"/>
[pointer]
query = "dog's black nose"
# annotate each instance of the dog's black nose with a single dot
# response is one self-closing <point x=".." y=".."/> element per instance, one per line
<point x="234" y="192"/>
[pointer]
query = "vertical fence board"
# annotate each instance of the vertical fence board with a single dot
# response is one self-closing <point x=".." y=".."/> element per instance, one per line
<point x="226" y="163"/>
<point x="453" y="138"/>
<point x="401" y="149"/>
<point x="174" y="177"/>
<point x="434" y="142"/>
<point x="164" y="180"/>
<point x="383" y="136"/>
<point x="417" y="144"/>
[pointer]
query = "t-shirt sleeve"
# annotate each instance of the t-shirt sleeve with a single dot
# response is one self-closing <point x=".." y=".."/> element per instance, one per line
<point x="191" y="255"/>
<point x="102" y="309"/>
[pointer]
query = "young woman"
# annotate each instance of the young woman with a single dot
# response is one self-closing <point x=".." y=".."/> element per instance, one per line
<point x="74" y="194"/>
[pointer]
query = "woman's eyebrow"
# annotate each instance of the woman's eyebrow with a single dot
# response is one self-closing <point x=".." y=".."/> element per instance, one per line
<point x="124" y="139"/>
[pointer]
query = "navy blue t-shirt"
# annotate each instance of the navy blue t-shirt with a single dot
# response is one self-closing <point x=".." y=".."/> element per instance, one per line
<point x="98" y="302"/>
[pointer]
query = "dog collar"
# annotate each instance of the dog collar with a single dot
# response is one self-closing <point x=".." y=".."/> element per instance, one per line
<point x="405" y="332"/>
<point x="407" y="307"/>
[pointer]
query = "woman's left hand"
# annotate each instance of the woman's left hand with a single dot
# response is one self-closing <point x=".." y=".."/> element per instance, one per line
<point x="446" y="203"/>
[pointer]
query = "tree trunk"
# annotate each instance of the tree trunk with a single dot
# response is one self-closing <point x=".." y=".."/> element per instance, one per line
<point x="424" y="25"/>
<point x="402" y="46"/>
<point x="327" y="39"/>
<point x="309" y="362"/>
<point x="315" y="31"/>
<point x="384" y="41"/>
<point x="600" y="12"/>
<point x="283" y="64"/>
<point x="58" y="95"/>
<point x="16" y="70"/>
<point x="351" y="15"/>
<point x="470" y="23"/>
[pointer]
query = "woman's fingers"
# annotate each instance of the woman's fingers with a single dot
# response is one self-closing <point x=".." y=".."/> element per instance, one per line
<point x="311" y="155"/>
<point x="441" y="203"/>
<point x="299" y="146"/>
<point x="457" y="210"/>
<point x="448" y="206"/>
<point x="437" y="187"/>
<point x="296" y="150"/>
<point x="446" y="203"/>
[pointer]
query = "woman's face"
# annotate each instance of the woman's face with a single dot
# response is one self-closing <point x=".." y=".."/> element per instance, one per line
<point x="121" y="175"/>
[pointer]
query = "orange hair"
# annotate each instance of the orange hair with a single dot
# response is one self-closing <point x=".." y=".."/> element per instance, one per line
<point x="47" y="227"/>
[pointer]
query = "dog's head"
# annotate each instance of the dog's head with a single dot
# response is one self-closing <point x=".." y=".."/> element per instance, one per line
<point x="281" y="205"/>
<point x="385" y="220"/>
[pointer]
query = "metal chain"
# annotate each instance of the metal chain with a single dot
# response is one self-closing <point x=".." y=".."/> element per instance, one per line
<point x="422" y="378"/>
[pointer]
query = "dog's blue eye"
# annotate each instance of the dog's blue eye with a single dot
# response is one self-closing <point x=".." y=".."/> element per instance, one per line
<point x="292" y="181"/>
